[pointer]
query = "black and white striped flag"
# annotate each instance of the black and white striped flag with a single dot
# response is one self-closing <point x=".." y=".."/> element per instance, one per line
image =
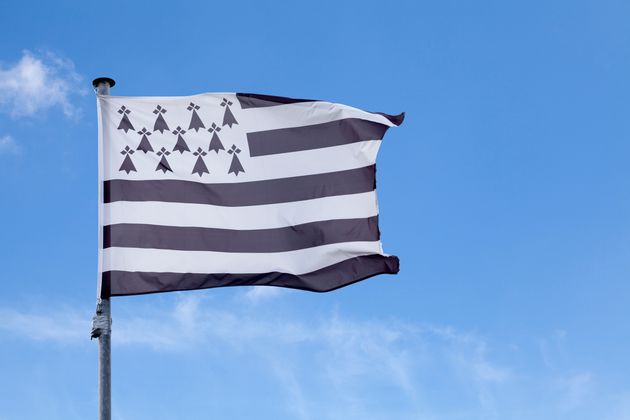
<point x="237" y="189"/>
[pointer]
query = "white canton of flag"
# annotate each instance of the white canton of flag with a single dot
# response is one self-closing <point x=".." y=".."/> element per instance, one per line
<point x="237" y="189"/>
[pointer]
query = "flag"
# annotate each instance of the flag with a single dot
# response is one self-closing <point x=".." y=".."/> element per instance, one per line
<point x="232" y="189"/>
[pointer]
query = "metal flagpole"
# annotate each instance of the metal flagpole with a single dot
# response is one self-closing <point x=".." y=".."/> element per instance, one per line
<point x="102" y="321"/>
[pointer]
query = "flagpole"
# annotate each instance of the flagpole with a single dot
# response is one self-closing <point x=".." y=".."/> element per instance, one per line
<point x="102" y="321"/>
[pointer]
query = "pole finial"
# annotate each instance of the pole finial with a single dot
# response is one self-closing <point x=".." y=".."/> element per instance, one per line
<point x="111" y="82"/>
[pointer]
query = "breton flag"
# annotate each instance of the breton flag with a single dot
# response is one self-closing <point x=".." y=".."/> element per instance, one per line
<point x="224" y="189"/>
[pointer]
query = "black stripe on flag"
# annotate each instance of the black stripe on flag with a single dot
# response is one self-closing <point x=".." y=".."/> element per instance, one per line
<point x="252" y="100"/>
<point x="317" y="136"/>
<point x="282" y="239"/>
<point x="282" y="190"/>
<point x="394" y="119"/>
<point x="124" y="283"/>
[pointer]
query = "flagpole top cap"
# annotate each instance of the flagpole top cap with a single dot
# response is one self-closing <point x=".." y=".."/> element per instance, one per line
<point x="99" y="80"/>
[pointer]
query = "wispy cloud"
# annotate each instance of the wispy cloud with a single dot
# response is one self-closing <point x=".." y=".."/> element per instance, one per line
<point x="574" y="389"/>
<point x="62" y="326"/>
<point x="262" y="294"/>
<point x="332" y="365"/>
<point x="8" y="146"/>
<point x="325" y="367"/>
<point x="38" y="82"/>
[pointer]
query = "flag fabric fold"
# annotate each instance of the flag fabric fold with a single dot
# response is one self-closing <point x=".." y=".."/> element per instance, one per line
<point x="229" y="189"/>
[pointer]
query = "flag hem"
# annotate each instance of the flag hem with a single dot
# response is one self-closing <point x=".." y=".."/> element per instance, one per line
<point x="99" y="284"/>
<point x="348" y="272"/>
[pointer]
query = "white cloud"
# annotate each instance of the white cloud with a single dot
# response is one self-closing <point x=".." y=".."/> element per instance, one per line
<point x="552" y="348"/>
<point x="332" y="366"/>
<point x="257" y="294"/>
<point x="468" y="353"/>
<point x="39" y="82"/>
<point x="574" y="390"/>
<point x="324" y="367"/>
<point x="9" y="146"/>
<point x="62" y="326"/>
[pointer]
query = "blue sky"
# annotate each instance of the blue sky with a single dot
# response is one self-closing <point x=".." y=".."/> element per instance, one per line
<point x="505" y="194"/>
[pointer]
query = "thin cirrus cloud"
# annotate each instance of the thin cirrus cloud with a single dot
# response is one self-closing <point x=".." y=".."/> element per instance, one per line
<point x="360" y="354"/>
<point x="262" y="294"/>
<point x="331" y="366"/>
<point x="8" y="146"/>
<point x="37" y="83"/>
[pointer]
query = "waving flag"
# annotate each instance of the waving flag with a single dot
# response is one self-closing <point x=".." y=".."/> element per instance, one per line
<point x="237" y="189"/>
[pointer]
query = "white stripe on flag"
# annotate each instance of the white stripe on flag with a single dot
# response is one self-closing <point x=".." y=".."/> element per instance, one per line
<point x="353" y="206"/>
<point x="293" y="262"/>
